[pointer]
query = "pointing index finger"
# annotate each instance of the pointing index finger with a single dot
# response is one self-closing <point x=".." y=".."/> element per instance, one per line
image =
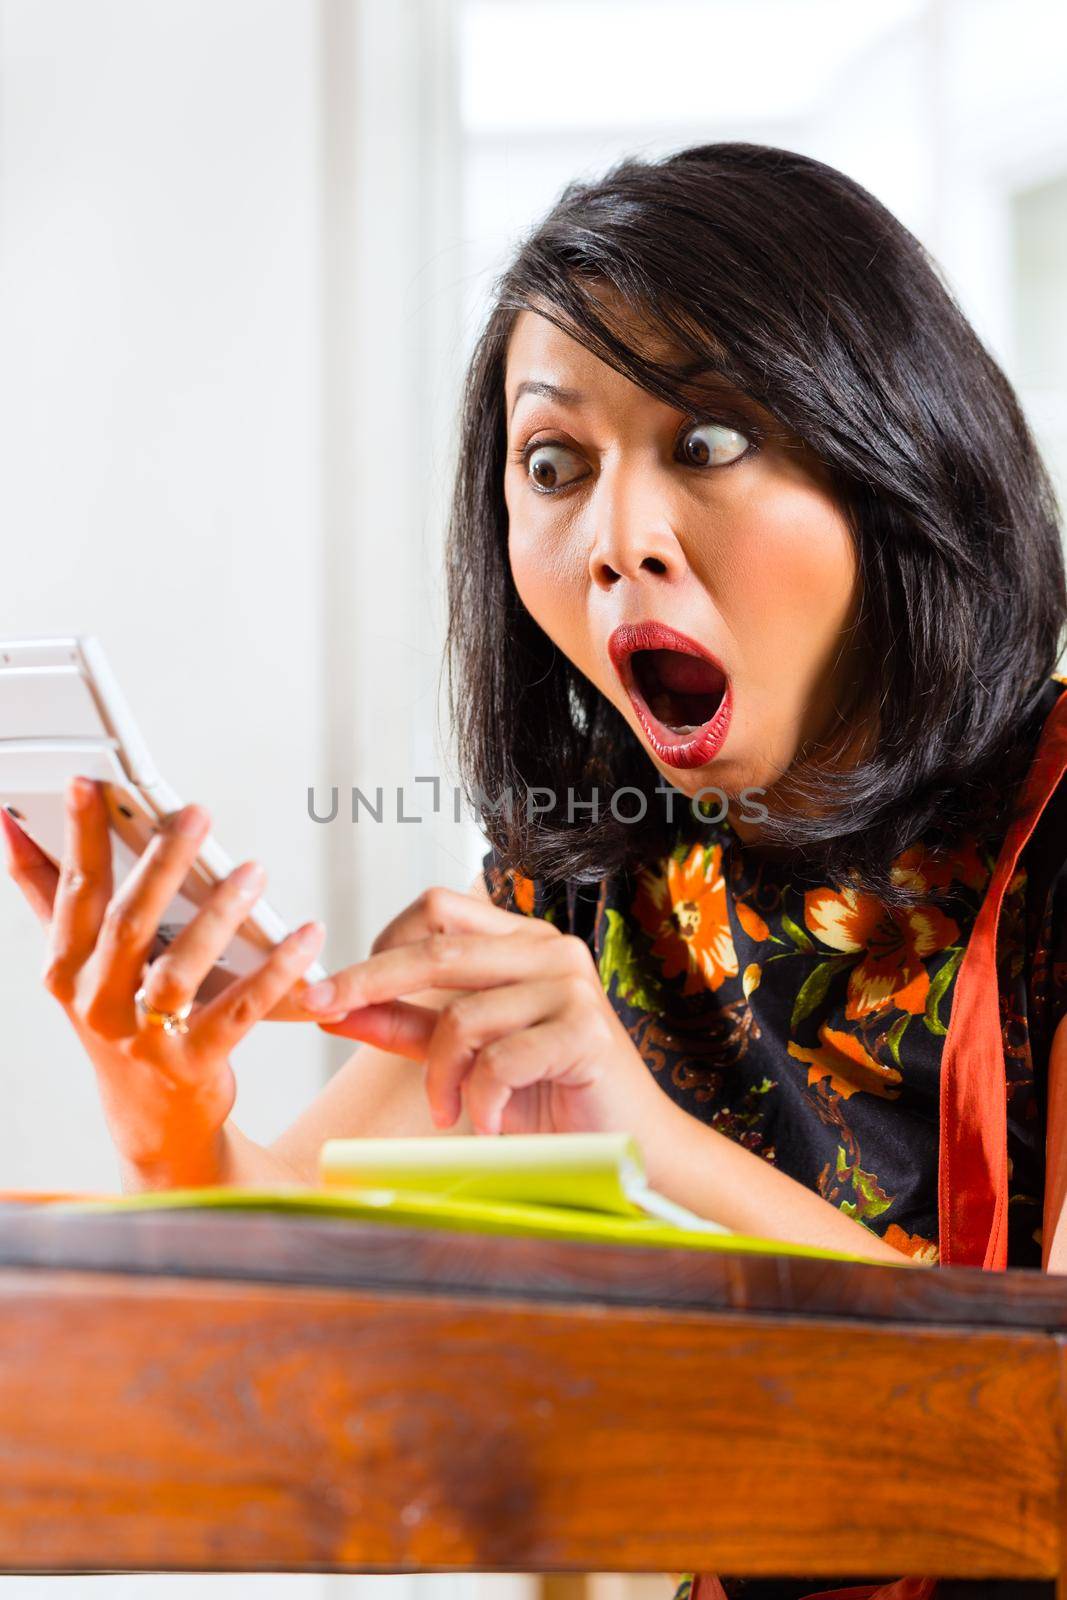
<point x="440" y="961"/>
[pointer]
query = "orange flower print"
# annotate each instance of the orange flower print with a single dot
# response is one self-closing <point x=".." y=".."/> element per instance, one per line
<point x="752" y="922"/>
<point x="894" y="943"/>
<point x="682" y="905"/>
<point x="912" y="1244"/>
<point x="522" y="889"/>
<point x="926" y="869"/>
<point x="849" y="1067"/>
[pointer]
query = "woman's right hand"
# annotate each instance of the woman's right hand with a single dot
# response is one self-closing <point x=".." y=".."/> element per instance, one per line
<point x="165" y="1096"/>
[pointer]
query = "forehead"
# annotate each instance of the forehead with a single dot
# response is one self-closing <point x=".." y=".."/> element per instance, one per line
<point x="536" y="338"/>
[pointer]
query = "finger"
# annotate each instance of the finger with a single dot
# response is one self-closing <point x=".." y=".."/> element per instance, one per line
<point x="533" y="1055"/>
<point x="174" y="977"/>
<point x="441" y="910"/>
<point x="397" y="1026"/>
<point x="469" y="1023"/>
<point x="289" y="1007"/>
<point x="486" y="1098"/>
<point x="132" y="918"/>
<point x="445" y="961"/>
<point x="83" y="889"/>
<point x="30" y="868"/>
<point x="224" y="1021"/>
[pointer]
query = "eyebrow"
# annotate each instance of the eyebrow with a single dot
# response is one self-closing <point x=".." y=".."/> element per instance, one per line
<point x="574" y="397"/>
<point x="566" y="397"/>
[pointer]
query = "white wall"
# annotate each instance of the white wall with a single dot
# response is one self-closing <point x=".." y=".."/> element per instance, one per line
<point x="159" y="411"/>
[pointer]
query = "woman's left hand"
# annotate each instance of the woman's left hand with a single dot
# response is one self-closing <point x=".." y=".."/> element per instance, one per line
<point x="530" y="1045"/>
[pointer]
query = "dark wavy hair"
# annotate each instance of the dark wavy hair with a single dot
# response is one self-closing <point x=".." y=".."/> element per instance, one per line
<point x="801" y="289"/>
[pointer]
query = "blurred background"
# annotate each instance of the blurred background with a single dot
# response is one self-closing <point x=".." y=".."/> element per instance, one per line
<point x="245" y="249"/>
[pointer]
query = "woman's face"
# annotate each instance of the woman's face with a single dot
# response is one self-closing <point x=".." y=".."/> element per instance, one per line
<point x="623" y="511"/>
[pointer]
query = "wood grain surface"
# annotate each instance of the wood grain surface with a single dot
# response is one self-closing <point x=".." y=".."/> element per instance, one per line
<point x="165" y="1422"/>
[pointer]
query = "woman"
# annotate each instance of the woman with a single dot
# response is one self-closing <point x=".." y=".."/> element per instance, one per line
<point x="757" y="595"/>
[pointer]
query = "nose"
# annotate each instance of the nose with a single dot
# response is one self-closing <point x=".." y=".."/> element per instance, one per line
<point x="632" y="541"/>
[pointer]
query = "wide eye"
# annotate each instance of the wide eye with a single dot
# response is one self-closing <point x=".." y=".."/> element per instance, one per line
<point x="550" y="466"/>
<point x="711" y="444"/>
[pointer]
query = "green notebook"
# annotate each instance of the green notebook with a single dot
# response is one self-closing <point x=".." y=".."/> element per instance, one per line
<point x="562" y="1186"/>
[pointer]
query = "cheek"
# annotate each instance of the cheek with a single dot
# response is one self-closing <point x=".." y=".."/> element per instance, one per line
<point x="548" y="569"/>
<point x="793" y="580"/>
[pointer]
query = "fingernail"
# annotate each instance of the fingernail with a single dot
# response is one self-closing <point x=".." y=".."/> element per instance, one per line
<point x="249" y="878"/>
<point x="310" y="933"/>
<point x="81" y="792"/>
<point x="190" y="820"/>
<point x="320" y="996"/>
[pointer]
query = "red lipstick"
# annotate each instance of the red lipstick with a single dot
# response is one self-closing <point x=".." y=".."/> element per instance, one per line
<point x="679" y="690"/>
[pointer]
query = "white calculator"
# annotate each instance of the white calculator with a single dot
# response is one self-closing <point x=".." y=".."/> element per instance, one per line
<point x="62" y="713"/>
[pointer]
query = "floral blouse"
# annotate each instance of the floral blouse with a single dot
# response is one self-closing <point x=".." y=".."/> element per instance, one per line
<point x="806" y="1020"/>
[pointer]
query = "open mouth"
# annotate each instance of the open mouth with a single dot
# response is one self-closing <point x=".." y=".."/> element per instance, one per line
<point x="680" y="693"/>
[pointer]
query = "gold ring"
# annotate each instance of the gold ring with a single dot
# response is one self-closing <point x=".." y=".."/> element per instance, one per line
<point x="169" y="1021"/>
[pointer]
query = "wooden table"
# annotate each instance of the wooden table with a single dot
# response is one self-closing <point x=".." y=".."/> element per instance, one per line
<point x="247" y="1392"/>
